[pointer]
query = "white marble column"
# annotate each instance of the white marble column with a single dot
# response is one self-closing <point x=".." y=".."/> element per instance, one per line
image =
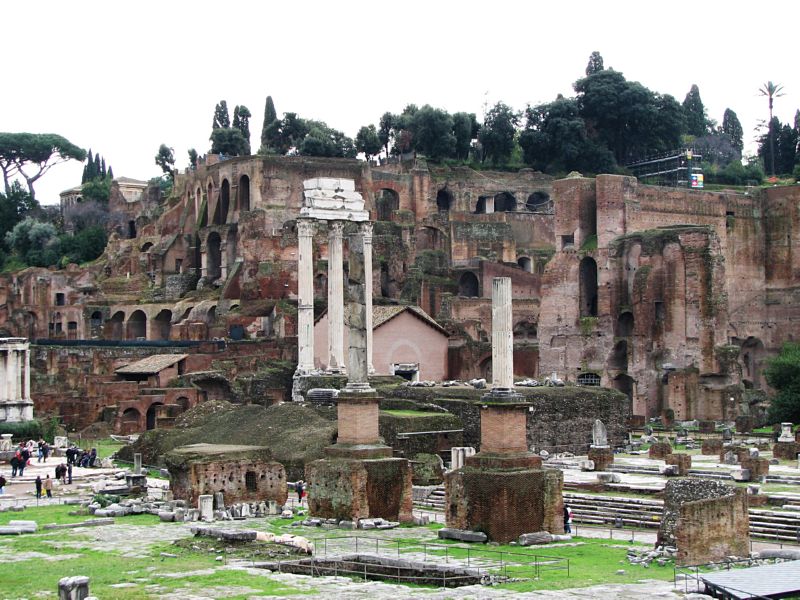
<point x="366" y="228"/>
<point x="502" y="334"/>
<point x="335" y="298"/>
<point x="305" y="297"/>
<point x="357" y="370"/>
<point x="26" y="394"/>
<point x="4" y="376"/>
<point x="11" y="375"/>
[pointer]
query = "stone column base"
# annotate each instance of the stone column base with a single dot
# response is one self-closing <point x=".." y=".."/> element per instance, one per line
<point x="354" y="488"/>
<point x="602" y="456"/>
<point x="504" y="503"/>
<point x="680" y="460"/>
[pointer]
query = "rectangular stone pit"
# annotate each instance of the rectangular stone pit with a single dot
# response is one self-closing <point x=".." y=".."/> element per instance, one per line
<point x="241" y="473"/>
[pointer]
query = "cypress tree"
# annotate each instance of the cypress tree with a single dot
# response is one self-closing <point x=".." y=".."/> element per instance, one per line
<point x="270" y="116"/>
<point x="695" y="113"/>
<point x="733" y="128"/>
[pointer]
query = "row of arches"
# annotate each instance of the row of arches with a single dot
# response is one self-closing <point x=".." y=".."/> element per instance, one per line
<point x="133" y="421"/>
<point x="223" y="204"/>
<point x="537" y="202"/>
<point x="134" y="327"/>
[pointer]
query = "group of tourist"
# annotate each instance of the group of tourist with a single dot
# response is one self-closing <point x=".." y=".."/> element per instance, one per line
<point x="81" y="458"/>
<point x="21" y="458"/>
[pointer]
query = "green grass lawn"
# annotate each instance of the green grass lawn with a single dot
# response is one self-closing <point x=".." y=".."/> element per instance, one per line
<point x="195" y="570"/>
<point x="412" y="413"/>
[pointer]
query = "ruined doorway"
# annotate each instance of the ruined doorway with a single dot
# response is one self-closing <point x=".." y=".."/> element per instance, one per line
<point x="161" y="326"/>
<point x="624" y="383"/>
<point x="221" y="213"/>
<point x="525" y="264"/>
<point x="152" y="415"/>
<point x="588" y="287"/>
<point x="213" y="257"/>
<point x="505" y="202"/>
<point x="444" y="201"/>
<point x="539" y="202"/>
<point x="752" y="356"/>
<point x="468" y="285"/>
<point x="136" y="326"/>
<point x="625" y="325"/>
<point x="244" y="193"/>
<point x="115" y="326"/>
<point x="618" y="359"/>
<point x="130" y="421"/>
<point x="386" y="202"/>
<point x="96" y="325"/>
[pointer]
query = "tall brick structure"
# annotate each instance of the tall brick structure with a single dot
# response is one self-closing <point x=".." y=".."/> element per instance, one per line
<point x="502" y="490"/>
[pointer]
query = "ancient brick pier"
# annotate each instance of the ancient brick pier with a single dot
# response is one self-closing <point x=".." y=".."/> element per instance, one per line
<point x="502" y="490"/>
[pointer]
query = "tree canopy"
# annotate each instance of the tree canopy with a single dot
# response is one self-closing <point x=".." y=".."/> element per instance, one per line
<point x="36" y="151"/>
<point x="498" y="132"/>
<point x="695" y="113"/>
<point x="241" y="121"/>
<point x="733" y="129"/>
<point x="165" y="159"/>
<point x="368" y="142"/>
<point x="783" y="374"/>
<point x="595" y="64"/>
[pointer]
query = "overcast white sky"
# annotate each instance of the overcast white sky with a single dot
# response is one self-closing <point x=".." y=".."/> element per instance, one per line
<point x="122" y="77"/>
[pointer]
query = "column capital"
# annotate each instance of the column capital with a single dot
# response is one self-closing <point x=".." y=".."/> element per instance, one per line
<point x="305" y="227"/>
<point x="335" y="228"/>
<point x="365" y="228"/>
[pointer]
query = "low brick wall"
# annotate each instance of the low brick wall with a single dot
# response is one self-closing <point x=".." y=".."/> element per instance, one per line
<point x="659" y="450"/>
<point x="786" y="450"/>
<point x="682" y="461"/>
<point x="705" y="520"/>
<point x="711" y="446"/>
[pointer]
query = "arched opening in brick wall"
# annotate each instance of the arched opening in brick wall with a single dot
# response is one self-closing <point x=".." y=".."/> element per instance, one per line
<point x="539" y="202"/>
<point x="221" y="212"/>
<point x="183" y="402"/>
<point x="161" y="325"/>
<point x="213" y="257"/>
<point x="96" y="325"/>
<point x="526" y="332"/>
<point x="211" y="316"/>
<point x="430" y="238"/>
<point x="152" y="415"/>
<point x="230" y="249"/>
<point x="618" y="359"/>
<point x="525" y="263"/>
<point x="468" y="285"/>
<point x="485" y="370"/>
<point x="251" y="481"/>
<point x="196" y="255"/>
<point x="588" y="287"/>
<point x="386" y="202"/>
<point x="625" y="324"/>
<point x="505" y="202"/>
<point x="137" y="326"/>
<point x="115" y="326"/>
<point x="209" y="196"/>
<point x="130" y="422"/>
<point x="244" y="193"/>
<point x="146" y="247"/>
<point x="444" y="200"/>
<point x="752" y="355"/>
<point x="480" y="205"/>
<point x="624" y="383"/>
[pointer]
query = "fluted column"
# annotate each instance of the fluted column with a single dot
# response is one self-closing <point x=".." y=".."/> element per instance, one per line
<point x="305" y="297"/>
<point x="502" y="334"/>
<point x="4" y="376"/>
<point x="357" y="368"/>
<point x="335" y="298"/>
<point x="12" y="375"/>
<point x="27" y="389"/>
<point x="366" y="228"/>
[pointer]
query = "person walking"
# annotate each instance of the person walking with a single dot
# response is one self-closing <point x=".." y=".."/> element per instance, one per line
<point x="48" y="486"/>
<point x="2" y="485"/>
<point x="45" y="451"/>
<point x="15" y="463"/>
<point x="567" y="519"/>
<point x="41" y="450"/>
<point x="38" y="486"/>
<point x="299" y="488"/>
<point x="63" y="477"/>
<point x="24" y="457"/>
<point x="69" y="473"/>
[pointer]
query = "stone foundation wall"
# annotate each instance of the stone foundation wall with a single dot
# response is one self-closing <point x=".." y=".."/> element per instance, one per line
<point x="230" y="478"/>
<point x="350" y="489"/>
<point x="710" y="447"/>
<point x="786" y="450"/>
<point x="682" y="461"/>
<point x="504" y="503"/>
<point x="660" y="450"/>
<point x="706" y="520"/>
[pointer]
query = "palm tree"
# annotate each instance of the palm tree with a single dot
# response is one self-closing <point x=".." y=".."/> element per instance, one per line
<point x="771" y="91"/>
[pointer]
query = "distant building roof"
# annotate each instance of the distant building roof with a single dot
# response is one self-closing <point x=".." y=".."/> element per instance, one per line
<point x="383" y="314"/>
<point x="150" y="365"/>
<point x="73" y="190"/>
<point x="130" y="181"/>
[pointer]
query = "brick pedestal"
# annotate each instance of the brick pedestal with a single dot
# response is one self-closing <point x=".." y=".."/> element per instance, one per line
<point x="710" y="447"/>
<point x="682" y="461"/>
<point x="504" y="503"/>
<point x="744" y="424"/>
<point x="602" y="457"/>
<point x="659" y="450"/>
<point x="786" y="450"/>
<point x="741" y="453"/>
<point x="359" y="479"/>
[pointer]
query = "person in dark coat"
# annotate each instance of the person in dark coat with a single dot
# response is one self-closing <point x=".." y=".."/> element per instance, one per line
<point x="25" y="456"/>
<point x="38" y="487"/>
<point x="15" y="464"/>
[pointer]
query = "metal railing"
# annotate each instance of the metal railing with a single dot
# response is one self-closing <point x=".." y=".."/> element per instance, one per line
<point x="694" y="573"/>
<point x="426" y="561"/>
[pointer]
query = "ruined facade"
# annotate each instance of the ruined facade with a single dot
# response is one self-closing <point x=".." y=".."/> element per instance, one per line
<point x="674" y="297"/>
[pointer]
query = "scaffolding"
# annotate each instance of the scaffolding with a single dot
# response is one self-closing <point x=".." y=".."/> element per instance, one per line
<point x="680" y="168"/>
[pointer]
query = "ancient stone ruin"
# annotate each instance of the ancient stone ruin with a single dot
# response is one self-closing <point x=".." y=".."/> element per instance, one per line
<point x="240" y="473"/>
<point x="15" y="380"/>
<point x="706" y="520"/>
<point x="502" y="490"/>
